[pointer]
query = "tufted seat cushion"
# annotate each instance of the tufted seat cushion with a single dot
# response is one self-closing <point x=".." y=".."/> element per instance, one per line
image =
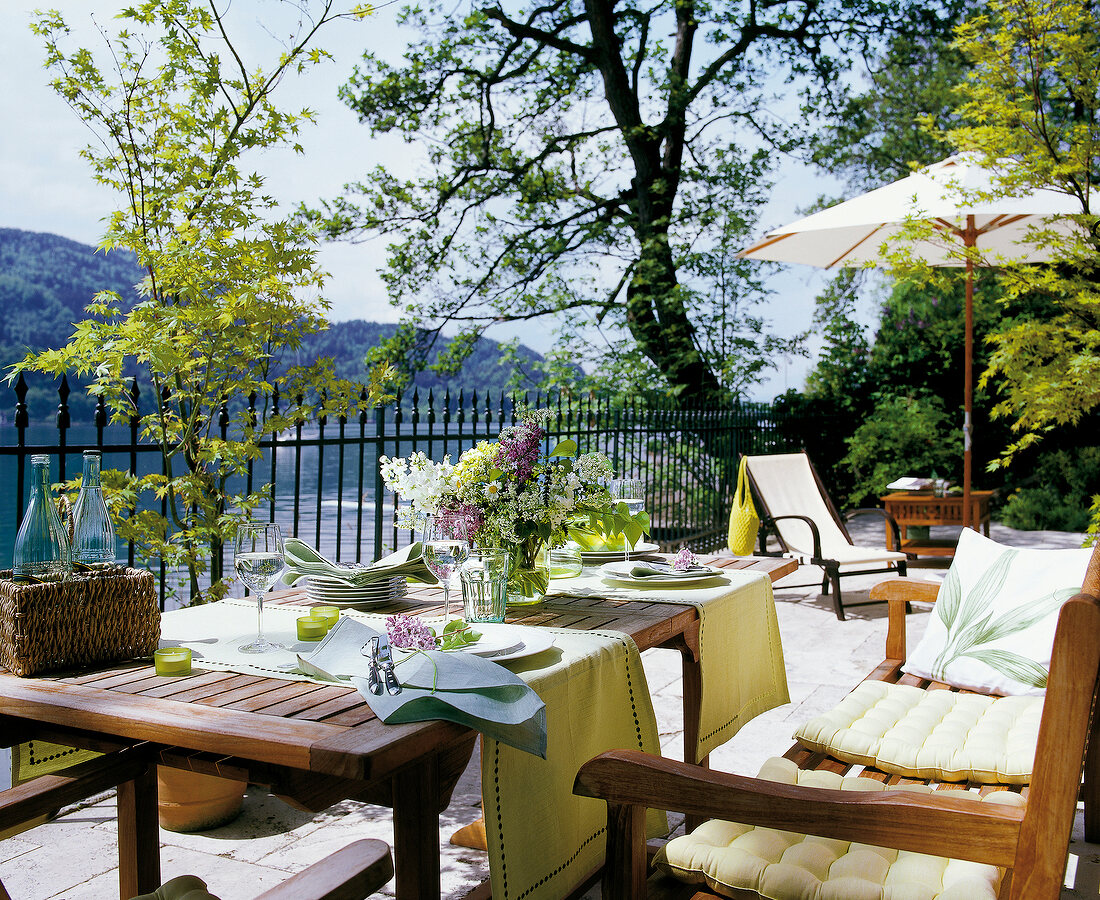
<point x="783" y="865"/>
<point x="941" y="735"/>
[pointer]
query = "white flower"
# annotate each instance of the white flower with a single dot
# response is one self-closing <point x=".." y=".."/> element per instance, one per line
<point x="493" y="490"/>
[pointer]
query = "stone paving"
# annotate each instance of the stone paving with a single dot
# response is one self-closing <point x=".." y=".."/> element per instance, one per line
<point x="71" y="857"/>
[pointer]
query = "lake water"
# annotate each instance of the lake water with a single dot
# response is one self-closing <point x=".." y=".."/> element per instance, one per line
<point x="337" y="518"/>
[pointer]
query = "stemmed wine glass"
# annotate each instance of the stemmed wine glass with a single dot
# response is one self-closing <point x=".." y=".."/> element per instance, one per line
<point x="258" y="558"/>
<point x="446" y="547"/>
<point x="630" y="491"/>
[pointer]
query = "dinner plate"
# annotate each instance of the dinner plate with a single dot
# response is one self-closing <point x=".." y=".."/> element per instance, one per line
<point x="501" y="643"/>
<point x="620" y="571"/>
<point x="596" y="557"/>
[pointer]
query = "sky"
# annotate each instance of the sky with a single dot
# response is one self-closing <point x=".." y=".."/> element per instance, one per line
<point x="45" y="185"/>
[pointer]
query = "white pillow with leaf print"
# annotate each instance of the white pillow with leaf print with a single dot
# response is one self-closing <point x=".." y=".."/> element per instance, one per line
<point x="992" y="628"/>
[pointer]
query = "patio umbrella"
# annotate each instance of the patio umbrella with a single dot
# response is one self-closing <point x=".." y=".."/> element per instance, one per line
<point x="949" y="196"/>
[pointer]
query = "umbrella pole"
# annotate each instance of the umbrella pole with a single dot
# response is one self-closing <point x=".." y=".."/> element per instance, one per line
<point x="970" y="238"/>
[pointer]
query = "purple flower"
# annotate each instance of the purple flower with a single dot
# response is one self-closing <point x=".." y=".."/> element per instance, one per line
<point x="684" y="560"/>
<point x="409" y="633"/>
<point x="519" y="450"/>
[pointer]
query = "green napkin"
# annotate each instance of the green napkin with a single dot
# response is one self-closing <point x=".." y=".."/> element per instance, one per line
<point x="302" y="561"/>
<point x="467" y="689"/>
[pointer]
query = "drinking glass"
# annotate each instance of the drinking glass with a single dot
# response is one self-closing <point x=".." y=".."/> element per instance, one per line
<point x="484" y="579"/>
<point x="630" y="491"/>
<point x="258" y="558"/>
<point x="446" y="547"/>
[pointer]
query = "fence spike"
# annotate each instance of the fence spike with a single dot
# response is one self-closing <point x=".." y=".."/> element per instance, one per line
<point x="63" y="392"/>
<point x="22" y="416"/>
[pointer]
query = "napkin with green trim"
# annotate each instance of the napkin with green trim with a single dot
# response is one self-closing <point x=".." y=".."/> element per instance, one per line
<point x="455" y="686"/>
<point x="302" y="561"/>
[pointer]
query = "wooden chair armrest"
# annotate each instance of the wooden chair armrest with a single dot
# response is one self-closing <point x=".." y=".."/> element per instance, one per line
<point x="900" y="592"/>
<point x="350" y="873"/>
<point x="925" y="823"/>
<point x="48" y="793"/>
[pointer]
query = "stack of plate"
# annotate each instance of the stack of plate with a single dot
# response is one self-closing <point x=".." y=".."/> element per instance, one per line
<point x="333" y="592"/>
<point x="599" y="557"/>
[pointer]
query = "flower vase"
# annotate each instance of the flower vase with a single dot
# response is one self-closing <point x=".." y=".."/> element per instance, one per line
<point x="528" y="573"/>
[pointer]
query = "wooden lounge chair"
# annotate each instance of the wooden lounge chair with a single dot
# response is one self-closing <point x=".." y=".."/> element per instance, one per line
<point x="795" y="508"/>
<point x="353" y="872"/>
<point x="1029" y="842"/>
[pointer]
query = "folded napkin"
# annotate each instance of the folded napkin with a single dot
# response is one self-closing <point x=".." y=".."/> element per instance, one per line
<point x="650" y="569"/>
<point x="468" y="690"/>
<point x="302" y="561"/>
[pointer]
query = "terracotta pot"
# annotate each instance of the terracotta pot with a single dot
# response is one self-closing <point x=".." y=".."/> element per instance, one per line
<point x="189" y="801"/>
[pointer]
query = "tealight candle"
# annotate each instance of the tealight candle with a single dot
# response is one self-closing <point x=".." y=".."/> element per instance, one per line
<point x="311" y="628"/>
<point x="172" y="660"/>
<point x="329" y="613"/>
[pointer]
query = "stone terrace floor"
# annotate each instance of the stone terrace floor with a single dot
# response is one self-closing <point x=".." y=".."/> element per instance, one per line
<point x="71" y="856"/>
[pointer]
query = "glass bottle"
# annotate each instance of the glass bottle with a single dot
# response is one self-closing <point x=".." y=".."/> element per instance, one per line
<point x="93" y="532"/>
<point x="42" y="550"/>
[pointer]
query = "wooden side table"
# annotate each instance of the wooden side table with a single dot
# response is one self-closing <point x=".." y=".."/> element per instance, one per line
<point x="920" y="508"/>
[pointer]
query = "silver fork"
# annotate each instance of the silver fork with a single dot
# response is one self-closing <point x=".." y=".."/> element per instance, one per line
<point x="374" y="675"/>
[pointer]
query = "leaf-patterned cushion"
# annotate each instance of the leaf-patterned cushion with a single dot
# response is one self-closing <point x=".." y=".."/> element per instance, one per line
<point x="945" y="735"/>
<point x="992" y="628"/>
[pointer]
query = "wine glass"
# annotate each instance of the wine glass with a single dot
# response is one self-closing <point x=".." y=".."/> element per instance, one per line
<point x="258" y="558"/>
<point x="630" y="491"/>
<point x="446" y="547"/>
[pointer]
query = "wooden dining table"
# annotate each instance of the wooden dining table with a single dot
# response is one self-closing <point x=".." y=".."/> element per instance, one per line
<point x="316" y="744"/>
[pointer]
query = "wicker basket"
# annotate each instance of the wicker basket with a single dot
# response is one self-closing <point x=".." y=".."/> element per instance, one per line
<point x="99" y="617"/>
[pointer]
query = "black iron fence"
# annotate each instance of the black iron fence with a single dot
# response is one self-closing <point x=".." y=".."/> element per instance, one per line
<point x="326" y="485"/>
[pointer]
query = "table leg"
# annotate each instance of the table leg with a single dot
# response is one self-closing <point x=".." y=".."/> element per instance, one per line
<point x="692" y="677"/>
<point x="416" y="831"/>
<point x="138" y="836"/>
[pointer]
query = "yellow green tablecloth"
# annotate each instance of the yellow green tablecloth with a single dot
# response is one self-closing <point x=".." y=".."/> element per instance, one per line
<point x="542" y="839"/>
<point x="741" y="655"/>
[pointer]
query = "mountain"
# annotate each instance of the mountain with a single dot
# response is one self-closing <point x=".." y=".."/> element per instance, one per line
<point x="46" y="281"/>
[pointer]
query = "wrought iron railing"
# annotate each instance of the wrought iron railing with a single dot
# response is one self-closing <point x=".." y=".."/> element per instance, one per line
<point x="327" y="487"/>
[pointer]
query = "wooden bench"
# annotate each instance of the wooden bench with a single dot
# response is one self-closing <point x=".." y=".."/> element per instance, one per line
<point x="1031" y="842"/>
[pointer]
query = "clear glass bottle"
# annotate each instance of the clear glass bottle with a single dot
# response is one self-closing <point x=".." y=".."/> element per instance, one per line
<point x="42" y="551"/>
<point x="93" y="532"/>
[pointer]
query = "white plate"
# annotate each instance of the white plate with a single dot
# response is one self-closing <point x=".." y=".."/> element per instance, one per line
<point x="620" y="571"/>
<point x="356" y="604"/>
<point x="501" y="643"/>
<point x="593" y="557"/>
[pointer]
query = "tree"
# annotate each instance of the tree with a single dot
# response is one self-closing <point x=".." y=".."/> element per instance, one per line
<point x="585" y="166"/>
<point x="227" y="284"/>
<point x="1033" y="95"/>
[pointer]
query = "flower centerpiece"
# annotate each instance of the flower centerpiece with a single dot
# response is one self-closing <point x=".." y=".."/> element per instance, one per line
<point x="516" y="497"/>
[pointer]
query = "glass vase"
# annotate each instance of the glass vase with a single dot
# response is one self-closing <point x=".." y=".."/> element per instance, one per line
<point x="93" y="533"/>
<point x="42" y="550"/>
<point x="528" y="573"/>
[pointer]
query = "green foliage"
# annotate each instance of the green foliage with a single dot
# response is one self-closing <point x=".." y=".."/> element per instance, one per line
<point x="1058" y="494"/>
<point x="226" y="284"/>
<point x="1034" y="96"/>
<point x="901" y="436"/>
<point x="587" y="169"/>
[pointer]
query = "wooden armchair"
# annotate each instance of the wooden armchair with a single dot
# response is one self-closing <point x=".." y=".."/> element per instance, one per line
<point x="351" y="873"/>
<point x="1029" y="842"/>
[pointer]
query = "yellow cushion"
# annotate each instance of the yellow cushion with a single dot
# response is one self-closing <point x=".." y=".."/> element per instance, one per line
<point x="783" y="865"/>
<point x="941" y="735"/>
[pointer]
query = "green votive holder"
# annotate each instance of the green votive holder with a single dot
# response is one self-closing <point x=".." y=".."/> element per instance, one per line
<point x="312" y="628"/>
<point x="329" y="613"/>
<point x="172" y="660"/>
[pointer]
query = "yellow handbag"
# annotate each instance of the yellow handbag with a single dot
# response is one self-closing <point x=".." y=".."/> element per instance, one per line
<point x="744" y="522"/>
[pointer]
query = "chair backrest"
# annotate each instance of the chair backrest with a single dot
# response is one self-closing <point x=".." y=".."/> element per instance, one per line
<point x="786" y="485"/>
<point x="1060" y="750"/>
